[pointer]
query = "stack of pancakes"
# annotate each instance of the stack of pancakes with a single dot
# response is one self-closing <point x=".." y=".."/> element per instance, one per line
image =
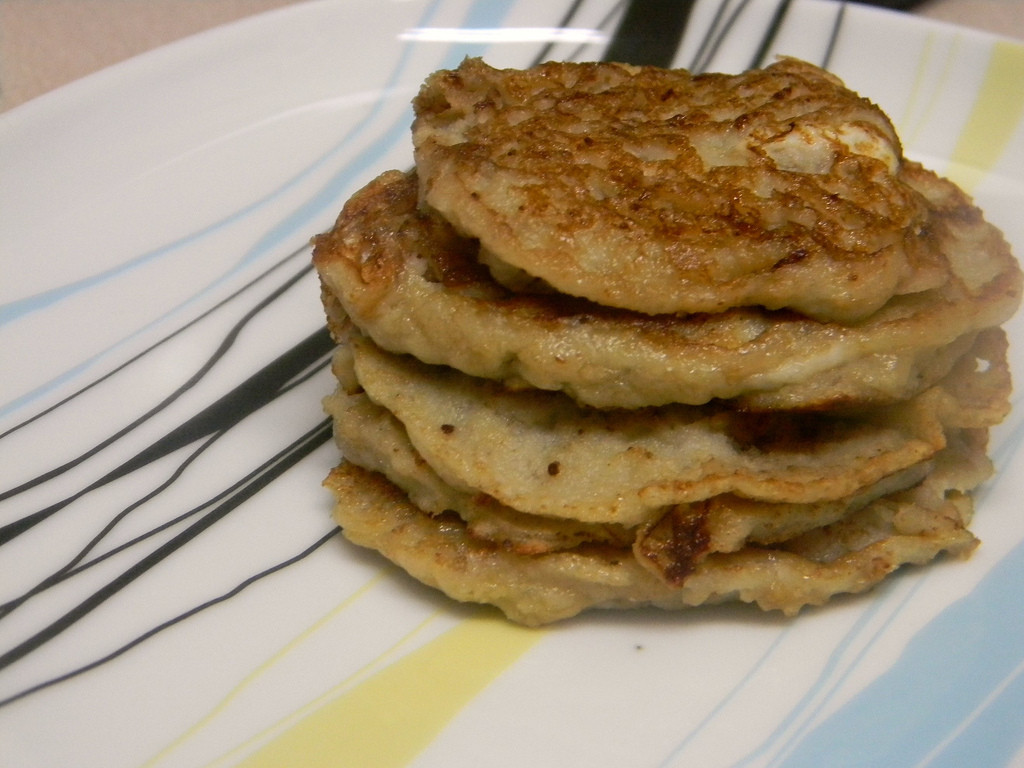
<point x="630" y="336"/>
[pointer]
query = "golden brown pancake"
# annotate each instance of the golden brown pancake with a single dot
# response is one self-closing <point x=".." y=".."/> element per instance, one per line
<point x="536" y="589"/>
<point x="673" y="538"/>
<point x="539" y="452"/>
<point x="629" y="336"/>
<point x="661" y="191"/>
<point x="412" y="284"/>
<point x="371" y="437"/>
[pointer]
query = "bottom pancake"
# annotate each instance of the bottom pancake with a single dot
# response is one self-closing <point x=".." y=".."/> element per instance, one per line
<point x="911" y="527"/>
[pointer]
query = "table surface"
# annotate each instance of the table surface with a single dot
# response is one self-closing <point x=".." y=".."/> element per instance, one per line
<point x="47" y="43"/>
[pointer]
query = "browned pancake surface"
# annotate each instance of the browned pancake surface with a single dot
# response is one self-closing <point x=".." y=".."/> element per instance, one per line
<point x="411" y="283"/>
<point x="665" y="192"/>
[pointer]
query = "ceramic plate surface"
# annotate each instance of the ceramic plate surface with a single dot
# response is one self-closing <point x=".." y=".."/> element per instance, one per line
<point x="173" y="590"/>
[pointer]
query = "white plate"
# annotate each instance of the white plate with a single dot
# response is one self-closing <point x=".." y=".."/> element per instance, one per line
<point x="181" y="598"/>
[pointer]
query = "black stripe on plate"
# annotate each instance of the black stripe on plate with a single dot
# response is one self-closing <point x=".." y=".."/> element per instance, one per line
<point x="78" y="563"/>
<point x="770" y="34"/>
<point x="720" y="27"/>
<point x="270" y="471"/>
<point x="248" y="397"/>
<point x="567" y="17"/>
<point x="172" y="622"/>
<point x="221" y="350"/>
<point x="650" y="32"/>
<point x="833" y="38"/>
<point x="207" y="313"/>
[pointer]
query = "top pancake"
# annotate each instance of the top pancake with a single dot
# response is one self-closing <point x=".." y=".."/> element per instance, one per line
<point x="664" y="192"/>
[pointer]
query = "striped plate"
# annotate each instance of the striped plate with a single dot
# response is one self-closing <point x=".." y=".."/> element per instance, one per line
<point x="173" y="590"/>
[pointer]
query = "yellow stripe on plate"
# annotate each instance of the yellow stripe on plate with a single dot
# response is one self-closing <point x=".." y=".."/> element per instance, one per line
<point x="391" y="717"/>
<point x="995" y="116"/>
<point x="923" y="111"/>
<point x="260" y="671"/>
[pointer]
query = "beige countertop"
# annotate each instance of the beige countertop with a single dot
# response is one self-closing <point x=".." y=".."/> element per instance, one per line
<point x="47" y="43"/>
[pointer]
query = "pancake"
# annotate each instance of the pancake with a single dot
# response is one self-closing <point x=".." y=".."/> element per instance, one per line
<point x="372" y="438"/>
<point x="537" y="589"/>
<point x="937" y="505"/>
<point x="633" y="337"/>
<point x="539" y="452"/>
<point x="411" y="283"/>
<point x="661" y="191"/>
